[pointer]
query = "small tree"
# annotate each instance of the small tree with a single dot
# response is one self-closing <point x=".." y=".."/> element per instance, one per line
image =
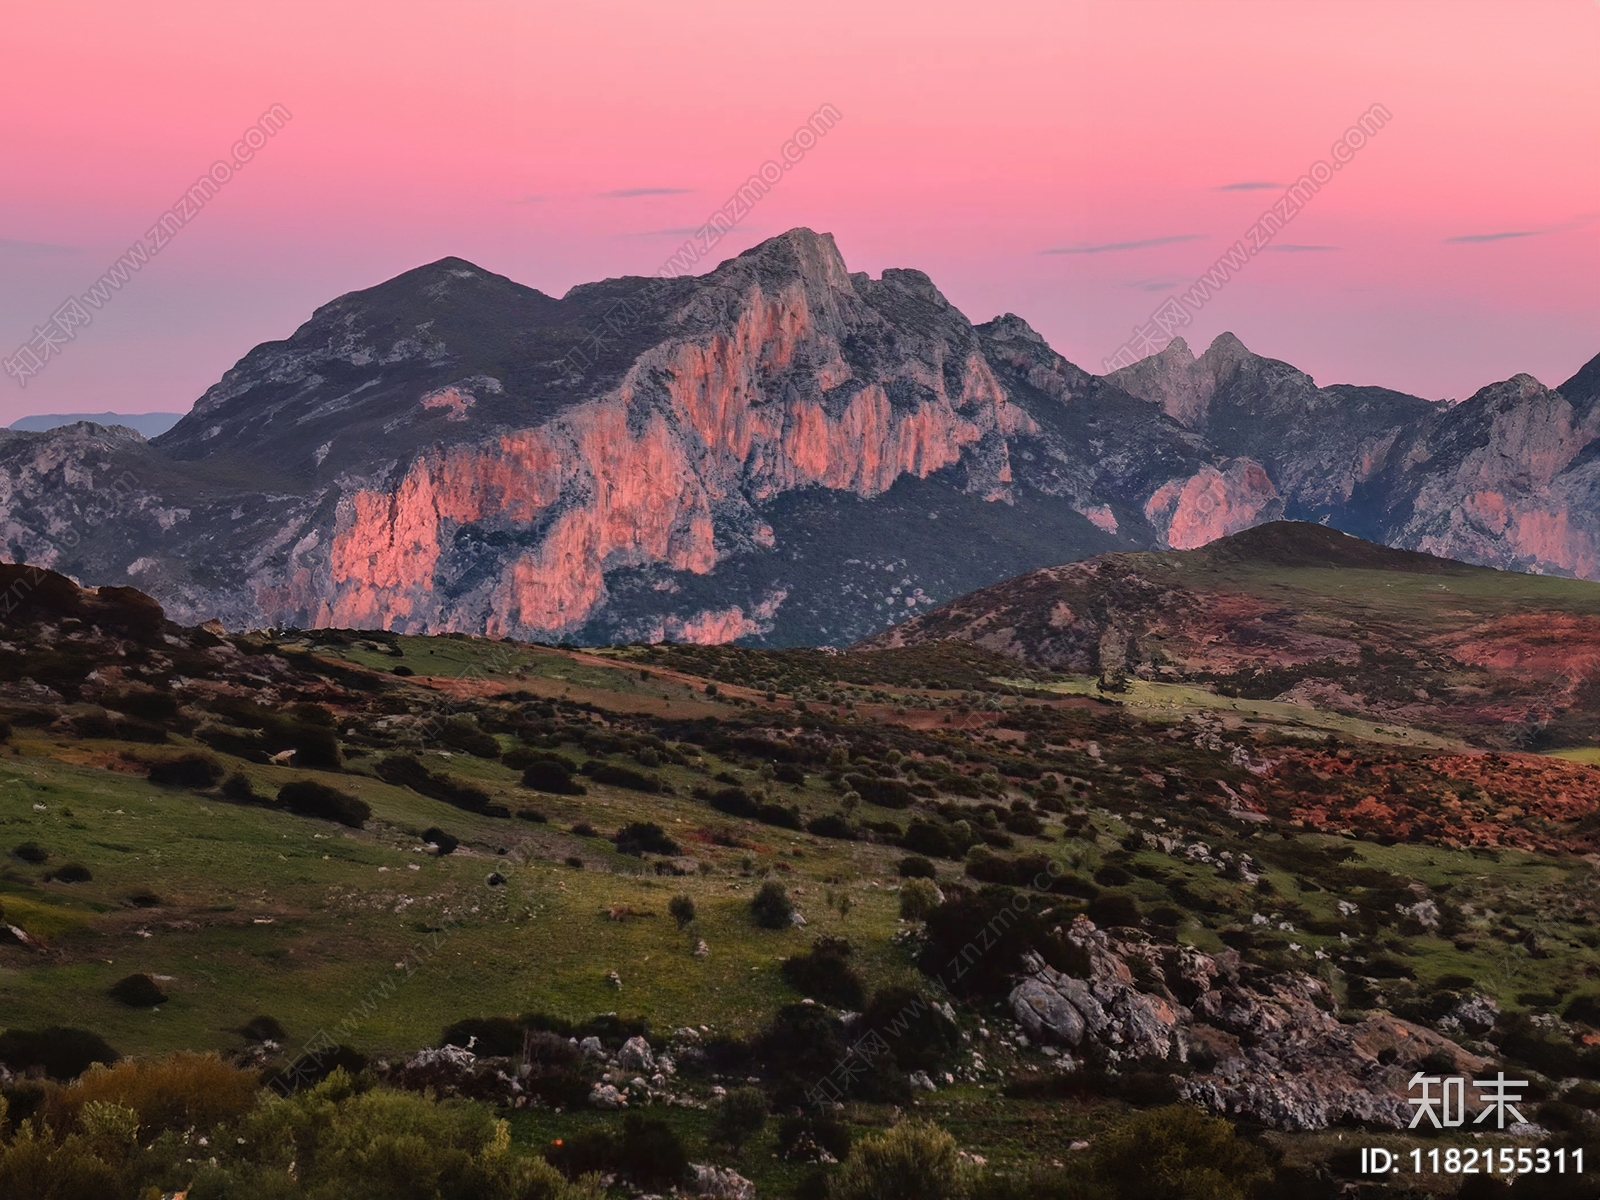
<point x="771" y="906"/>
<point x="918" y="898"/>
<point x="682" y="909"/>
<point x="741" y="1115"/>
<point x="1177" y="1153"/>
<point x="916" y="1160"/>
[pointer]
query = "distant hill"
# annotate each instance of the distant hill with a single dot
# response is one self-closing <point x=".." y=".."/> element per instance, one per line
<point x="1305" y="614"/>
<point x="149" y="424"/>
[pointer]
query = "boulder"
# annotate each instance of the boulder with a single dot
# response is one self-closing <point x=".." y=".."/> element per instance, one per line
<point x="721" y="1183"/>
<point x="636" y="1055"/>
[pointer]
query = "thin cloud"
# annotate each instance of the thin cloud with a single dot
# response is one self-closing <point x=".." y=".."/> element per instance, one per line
<point x="1139" y="245"/>
<point x="1297" y="248"/>
<point x="1495" y="237"/>
<point x="1159" y="284"/>
<point x="632" y="193"/>
<point x="1249" y="186"/>
<point x="23" y="246"/>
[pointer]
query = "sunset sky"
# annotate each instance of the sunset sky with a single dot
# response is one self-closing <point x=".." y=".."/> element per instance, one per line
<point x="1074" y="163"/>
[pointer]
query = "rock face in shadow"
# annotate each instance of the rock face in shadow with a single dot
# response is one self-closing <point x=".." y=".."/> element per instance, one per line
<point x="778" y="451"/>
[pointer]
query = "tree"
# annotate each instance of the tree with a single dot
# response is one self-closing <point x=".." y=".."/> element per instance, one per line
<point x="916" y="1160"/>
<point x="771" y="906"/>
<point x="682" y="909"/>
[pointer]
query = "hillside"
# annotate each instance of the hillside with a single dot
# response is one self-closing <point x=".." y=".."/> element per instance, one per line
<point x="778" y="452"/>
<point x="1301" y="614"/>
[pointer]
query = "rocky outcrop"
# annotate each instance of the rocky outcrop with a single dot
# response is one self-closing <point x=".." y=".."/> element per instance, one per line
<point x="1270" y="1049"/>
<point x="779" y="451"/>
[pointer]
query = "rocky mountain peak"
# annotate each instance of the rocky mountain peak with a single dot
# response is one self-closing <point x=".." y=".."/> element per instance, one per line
<point x="1181" y="383"/>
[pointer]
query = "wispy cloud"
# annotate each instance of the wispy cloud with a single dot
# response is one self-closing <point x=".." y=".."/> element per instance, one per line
<point x="1298" y="248"/>
<point x="1139" y="245"/>
<point x="21" y="246"/>
<point x="1249" y="186"/>
<point x="1158" y="284"/>
<point x="632" y="193"/>
<point x="1495" y="237"/>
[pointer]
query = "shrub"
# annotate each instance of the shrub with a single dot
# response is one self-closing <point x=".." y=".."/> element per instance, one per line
<point x="520" y="757"/>
<point x="1176" y="1152"/>
<point x="240" y="790"/>
<point x="623" y="777"/>
<point x="824" y="973"/>
<point x="682" y="909"/>
<point x="648" y="1153"/>
<point x="914" y="866"/>
<point x="308" y="798"/>
<point x="1024" y="870"/>
<point x="461" y="734"/>
<point x="30" y="852"/>
<point x="178" y="1092"/>
<point x="771" y="906"/>
<point x="919" y="1034"/>
<point x="832" y="825"/>
<point x="916" y="1160"/>
<point x="60" y="1051"/>
<point x="734" y="801"/>
<point x="488" y="1036"/>
<point x="993" y="917"/>
<point x="937" y="840"/>
<point x="532" y="815"/>
<point x="71" y="872"/>
<point x="546" y="776"/>
<point x="137" y="991"/>
<point x="403" y="770"/>
<point x="189" y="771"/>
<point x="740" y="1116"/>
<point x="264" y="1029"/>
<point x="644" y="837"/>
<point x="823" y="1133"/>
<point x="438" y="837"/>
<point x="918" y="898"/>
<point x="1114" y="908"/>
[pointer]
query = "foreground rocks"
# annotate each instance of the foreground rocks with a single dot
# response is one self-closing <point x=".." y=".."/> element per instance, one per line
<point x="1267" y="1047"/>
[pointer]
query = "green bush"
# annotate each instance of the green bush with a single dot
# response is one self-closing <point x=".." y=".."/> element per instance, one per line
<point x="771" y="906"/>
<point x="137" y="991"/>
<point x="916" y="1160"/>
<point x="542" y="775"/>
<point x="623" y="777"/>
<point x="461" y="734"/>
<point x="188" y="771"/>
<point x="403" y="770"/>
<point x="60" y="1051"/>
<point x="914" y="866"/>
<point x="1176" y="1152"/>
<point x="681" y="908"/>
<point x="644" y="837"/>
<point x="918" y="898"/>
<point x="741" y="1115"/>
<point x="824" y="973"/>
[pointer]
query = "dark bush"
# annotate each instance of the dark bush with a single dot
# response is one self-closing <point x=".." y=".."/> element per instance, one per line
<point x="240" y="790"/>
<point x="734" y="801"/>
<point x="1113" y="876"/>
<point x="1023" y="823"/>
<point x="619" y="776"/>
<point x="30" y="852"/>
<point x="543" y="775"/>
<point x="919" y="1034"/>
<point x="771" y="906"/>
<point x="782" y="817"/>
<point x="648" y="1153"/>
<point x="520" y="757"/>
<point x="316" y="749"/>
<point x="60" y="1051"/>
<point x="832" y="825"/>
<point x="498" y="1037"/>
<point x="145" y="898"/>
<point x="1115" y="908"/>
<point x="916" y="867"/>
<point x="146" y="705"/>
<point x="798" y="1050"/>
<point x="71" y="872"/>
<point x="995" y="921"/>
<point x="824" y="973"/>
<point x="312" y="1068"/>
<point x="644" y="837"/>
<point x="533" y="815"/>
<point x="137" y="991"/>
<point x="403" y="671"/>
<point x="438" y="837"/>
<point x="189" y="771"/>
<point x="936" y="840"/>
<point x="886" y="793"/>
<point x="403" y="770"/>
<point x="264" y="1029"/>
<point x="798" y="1135"/>
<point x="1025" y="870"/>
<point x="460" y="734"/>
<point x="1584" y="1008"/>
<point x="584" y="829"/>
<point x="681" y="908"/>
<point x="308" y="798"/>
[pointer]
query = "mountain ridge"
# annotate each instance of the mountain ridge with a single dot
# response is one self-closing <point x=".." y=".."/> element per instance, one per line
<point x="759" y="453"/>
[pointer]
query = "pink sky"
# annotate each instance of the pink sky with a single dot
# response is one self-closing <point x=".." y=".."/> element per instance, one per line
<point x="974" y="138"/>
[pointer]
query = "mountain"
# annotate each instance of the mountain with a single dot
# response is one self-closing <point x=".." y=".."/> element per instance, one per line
<point x="1301" y="614"/>
<point x="148" y="424"/>
<point x="779" y="451"/>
